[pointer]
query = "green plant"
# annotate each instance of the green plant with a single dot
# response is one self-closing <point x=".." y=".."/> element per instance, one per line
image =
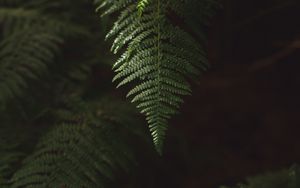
<point x="81" y="152"/>
<point x="160" y="55"/>
<point x="289" y="178"/>
<point x="47" y="52"/>
<point x="49" y="120"/>
<point x="32" y="41"/>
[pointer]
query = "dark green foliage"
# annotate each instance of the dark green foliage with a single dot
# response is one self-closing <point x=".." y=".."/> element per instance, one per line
<point x="14" y="146"/>
<point x="32" y="40"/>
<point x="91" y="147"/>
<point x="159" y="56"/>
<point x="25" y="59"/>
<point x="47" y="52"/>
<point x="9" y="156"/>
<point x="283" y="179"/>
<point x="81" y="153"/>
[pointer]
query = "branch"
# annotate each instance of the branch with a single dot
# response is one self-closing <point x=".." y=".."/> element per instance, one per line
<point x="276" y="57"/>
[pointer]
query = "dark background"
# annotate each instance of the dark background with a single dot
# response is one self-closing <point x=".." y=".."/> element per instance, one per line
<point x="243" y="118"/>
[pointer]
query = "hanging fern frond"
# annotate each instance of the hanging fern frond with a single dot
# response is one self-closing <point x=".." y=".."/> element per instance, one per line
<point x="158" y="59"/>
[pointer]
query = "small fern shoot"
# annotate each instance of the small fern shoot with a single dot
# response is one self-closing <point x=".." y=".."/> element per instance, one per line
<point x="142" y="5"/>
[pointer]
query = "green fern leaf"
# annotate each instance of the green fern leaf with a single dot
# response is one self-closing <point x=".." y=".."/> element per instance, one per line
<point x="159" y="57"/>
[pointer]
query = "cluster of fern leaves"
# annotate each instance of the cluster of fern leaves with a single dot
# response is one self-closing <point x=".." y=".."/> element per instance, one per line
<point x="159" y="55"/>
<point x="80" y="151"/>
<point x="64" y="136"/>
<point x="54" y="132"/>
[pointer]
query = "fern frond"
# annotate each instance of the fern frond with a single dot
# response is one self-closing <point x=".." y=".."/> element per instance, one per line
<point x="113" y="6"/>
<point x="286" y="178"/>
<point x="12" y="150"/>
<point x="32" y="40"/>
<point x="159" y="57"/>
<point x="9" y="157"/>
<point x="95" y="144"/>
<point x="79" y="154"/>
<point x="25" y="56"/>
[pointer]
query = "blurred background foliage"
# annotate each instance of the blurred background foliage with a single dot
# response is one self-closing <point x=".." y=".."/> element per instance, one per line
<point x="55" y="82"/>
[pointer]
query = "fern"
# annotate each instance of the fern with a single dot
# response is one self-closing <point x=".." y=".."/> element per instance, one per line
<point x="25" y="59"/>
<point x="58" y="159"/>
<point x="91" y="149"/>
<point x="90" y="146"/>
<point x="286" y="178"/>
<point x="158" y="59"/>
<point x="9" y="157"/>
<point x="32" y="41"/>
<point x="13" y="149"/>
